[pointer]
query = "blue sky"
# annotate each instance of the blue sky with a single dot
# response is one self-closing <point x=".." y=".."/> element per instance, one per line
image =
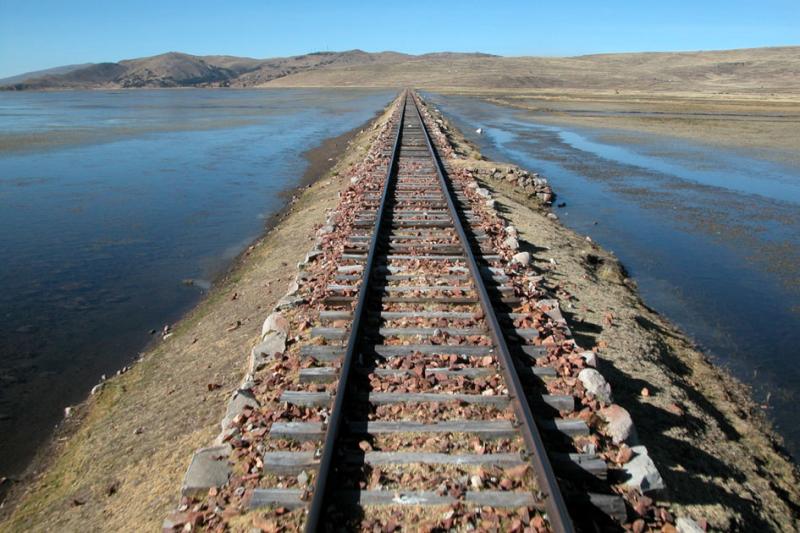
<point x="36" y="34"/>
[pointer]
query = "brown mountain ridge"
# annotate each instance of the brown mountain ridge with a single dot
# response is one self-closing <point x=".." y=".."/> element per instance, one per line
<point x="754" y="70"/>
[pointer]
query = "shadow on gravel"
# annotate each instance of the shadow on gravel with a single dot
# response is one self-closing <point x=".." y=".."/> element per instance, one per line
<point x="671" y="361"/>
<point x="584" y="333"/>
<point x="684" y="467"/>
<point x="525" y="246"/>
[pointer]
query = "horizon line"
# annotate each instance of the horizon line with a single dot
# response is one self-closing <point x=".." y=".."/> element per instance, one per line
<point x="683" y="51"/>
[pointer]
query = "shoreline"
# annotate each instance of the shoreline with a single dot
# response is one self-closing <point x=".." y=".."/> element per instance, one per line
<point x="316" y="162"/>
<point x="754" y="128"/>
<point x="707" y="438"/>
<point x="321" y="159"/>
<point x="609" y="180"/>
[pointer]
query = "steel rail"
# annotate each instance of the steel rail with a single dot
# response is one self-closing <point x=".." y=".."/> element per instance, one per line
<point x="329" y="448"/>
<point x="557" y="513"/>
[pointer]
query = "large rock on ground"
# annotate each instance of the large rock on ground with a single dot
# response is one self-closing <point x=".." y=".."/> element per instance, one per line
<point x="209" y="468"/>
<point x="275" y="322"/>
<point x="273" y="343"/>
<point x="512" y="243"/>
<point x="687" y="525"/>
<point x="522" y="258"/>
<point x="590" y="358"/>
<point x="594" y="382"/>
<point x="619" y="425"/>
<point x="642" y="472"/>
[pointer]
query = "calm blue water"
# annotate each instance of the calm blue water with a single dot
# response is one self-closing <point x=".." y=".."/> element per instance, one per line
<point x="711" y="236"/>
<point x="108" y="200"/>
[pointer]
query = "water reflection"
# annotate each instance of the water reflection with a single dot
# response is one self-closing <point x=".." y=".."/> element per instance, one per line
<point x="109" y="201"/>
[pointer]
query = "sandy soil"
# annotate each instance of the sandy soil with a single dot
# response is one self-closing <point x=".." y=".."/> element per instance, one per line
<point x="121" y="465"/>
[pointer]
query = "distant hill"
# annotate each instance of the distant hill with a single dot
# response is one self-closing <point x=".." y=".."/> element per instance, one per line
<point x="754" y="71"/>
<point x="175" y="69"/>
<point x="757" y="70"/>
<point x="39" y="73"/>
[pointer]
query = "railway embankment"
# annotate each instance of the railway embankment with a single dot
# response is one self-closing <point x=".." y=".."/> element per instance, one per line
<point x="721" y="461"/>
<point x="120" y="459"/>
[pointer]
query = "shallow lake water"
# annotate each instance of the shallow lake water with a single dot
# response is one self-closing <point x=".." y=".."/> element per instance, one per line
<point x="109" y="200"/>
<point x="712" y="236"/>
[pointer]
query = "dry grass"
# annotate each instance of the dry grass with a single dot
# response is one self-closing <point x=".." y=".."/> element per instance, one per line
<point x="759" y="71"/>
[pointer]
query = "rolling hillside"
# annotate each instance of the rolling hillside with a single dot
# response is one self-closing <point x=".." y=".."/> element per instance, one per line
<point x="758" y="71"/>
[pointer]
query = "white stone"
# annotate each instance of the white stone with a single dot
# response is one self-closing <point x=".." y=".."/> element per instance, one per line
<point x="293" y="288"/>
<point x="590" y="358"/>
<point x="490" y="203"/>
<point x="552" y="309"/>
<point x="619" y="425"/>
<point x="209" y="468"/>
<point x="483" y="192"/>
<point x="594" y="382"/>
<point x="512" y="243"/>
<point x="552" y="216"/>
<point x="511" y="231"/>
<point x="288" y="301"/>
<point x="275" y="322"/>
<point x="302" y="478"/>
<point x="273" y="343"/>
<point x="522" y="258"/>
<point x="684" y="524"/>
<point x="313" y="254"/>
<point x="97" y="388"/>
<point x="642" y="472"/>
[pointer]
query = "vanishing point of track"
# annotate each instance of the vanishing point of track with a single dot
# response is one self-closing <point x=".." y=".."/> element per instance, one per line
<point x="416" y="194"/>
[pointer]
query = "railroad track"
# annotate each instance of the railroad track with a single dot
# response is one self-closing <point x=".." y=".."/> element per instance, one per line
<point x="421" y="376"/>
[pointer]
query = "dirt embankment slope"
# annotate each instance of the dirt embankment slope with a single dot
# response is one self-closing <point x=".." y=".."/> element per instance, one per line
<point x="120" y="467"/>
